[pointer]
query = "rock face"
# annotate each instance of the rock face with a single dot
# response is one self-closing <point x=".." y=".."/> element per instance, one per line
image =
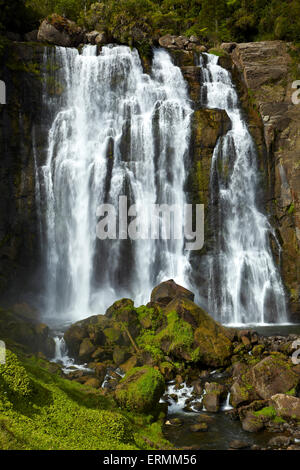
<point x="60" y="32"/>
<point x="172" y="329"/>
<point x="286" y="406"/>
<point x="181" y="42"/>
<point x="267" y="70"/>
<point x="23" y="137"/>
<point x="140" y="390"/>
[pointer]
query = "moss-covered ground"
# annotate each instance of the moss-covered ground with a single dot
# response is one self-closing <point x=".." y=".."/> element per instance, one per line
<point x="40" y="410"/>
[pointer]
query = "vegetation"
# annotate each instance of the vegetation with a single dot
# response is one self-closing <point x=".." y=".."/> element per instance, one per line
<point x="40" y="410"/>
<point x="126" y="20"/>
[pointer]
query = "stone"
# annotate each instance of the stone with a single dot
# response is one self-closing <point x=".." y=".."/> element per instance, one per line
<point x="91" y="37"/>
<point x="213" y="396"/>
<point x="252" y="423"/>
<point x="286" y="405"/>
<point x="167" y="41"/>
<point x="228" y="46"/>
<point x="167" y="291"/>
<point x="201" y="427"/>
<point x="101" y="39"/>
<point x="140" y="390"/>
<point x="60" y="32"/>
<point x="86" y="349"/>
<point x="279" y="441"/>
<point x="271" y="376"/>
<point x="236" y="444"/>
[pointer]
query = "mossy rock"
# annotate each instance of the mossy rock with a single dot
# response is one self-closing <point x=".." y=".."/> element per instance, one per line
<point x="13" y="377"/>
<point x="140" y="390"/>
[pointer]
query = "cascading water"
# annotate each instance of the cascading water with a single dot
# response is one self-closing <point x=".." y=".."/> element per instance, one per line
<point x="118" y="131"/>
<point x="244" y="283"/>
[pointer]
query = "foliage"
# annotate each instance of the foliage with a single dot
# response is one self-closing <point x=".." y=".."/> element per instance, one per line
<point x="141" y="21"/>
<point x="56" y="414"/>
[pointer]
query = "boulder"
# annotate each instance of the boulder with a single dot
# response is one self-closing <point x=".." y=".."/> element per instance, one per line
<point x="167" y="41"/>
<point x="286" y="405"/>
<point x="86" y="349"/>
<point x="279" y="441"/>
<point x="236" y="444"/>
<point x="252" y="423"/>
<point x="140" y="390"/>
<point x="91" y="37"/>
<point x="167" y="291"/>
<point x="101" y="39"/>
<point x="213" y="396"/>
<point x="228" y="46"/>
<point x="200" y="427"/>
<point x="60" y="31"/>
<point x="273" y="375"/>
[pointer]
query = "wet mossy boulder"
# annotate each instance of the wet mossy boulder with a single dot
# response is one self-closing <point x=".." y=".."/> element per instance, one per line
<point x="193" y="335"/>
<point x="140" y="390"/>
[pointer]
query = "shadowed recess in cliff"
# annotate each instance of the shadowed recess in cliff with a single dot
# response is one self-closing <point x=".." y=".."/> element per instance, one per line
<point x="244" y="283"/>
<point x="117" y="131"/>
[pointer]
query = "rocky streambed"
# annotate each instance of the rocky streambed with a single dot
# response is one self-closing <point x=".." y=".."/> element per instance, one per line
<point x="206" y="385"/>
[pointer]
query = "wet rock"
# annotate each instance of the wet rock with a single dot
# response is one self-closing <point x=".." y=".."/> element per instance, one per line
<point x="201" y="427"/>
<point x="140" y="390"/>
<point x="236" y="444"/>
<point x="174" y="422"/>
<point x="91" y="37"/>
<point x="212" y="399"/>
<point x="286" y="405"/>
<point x="252" y="423"/>
<point x="203" y="417"/>
<point x="32" y="36"/>
<point x="279" y="441"/>
<point x="101" y="39"/>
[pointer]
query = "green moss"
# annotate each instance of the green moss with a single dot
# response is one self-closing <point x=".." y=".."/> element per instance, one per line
<point x="112" y="334"/>
<point x="268" y="412"/>
<point x="64" y="415"/>
<point x="292" y="392"/>
<point x="291" y="208"/>
<point x="140" y="389"/>
<point x="13" y="377"/>
<point x="178" y="332"/>
<point x="218" y="52"/>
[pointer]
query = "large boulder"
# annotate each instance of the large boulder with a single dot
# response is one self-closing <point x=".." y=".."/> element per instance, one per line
<point x="273" y="375"/>
<point x="168" y="290"/>
<point x="214" y="394"/>
<point x="286" y="406"/>
<point x="192" y="335"/>
<point x="60" y="31"/>
<point x="140" y="390"/>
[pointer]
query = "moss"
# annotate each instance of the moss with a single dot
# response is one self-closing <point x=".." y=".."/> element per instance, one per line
<point x="64" y="415"/>
<point x="178" y="333"/>
<point x="140" y="389"/>
<point x="292" y="392"/>
<point x="112" y="334"/>
<point x="218" y="52"/>
<point x="268" y="412"/>
<point x="13" y="377"/>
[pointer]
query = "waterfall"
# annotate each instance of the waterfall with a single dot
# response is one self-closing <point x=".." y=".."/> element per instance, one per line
<point x="117" y="131"/>
<point x="244" y="282"/>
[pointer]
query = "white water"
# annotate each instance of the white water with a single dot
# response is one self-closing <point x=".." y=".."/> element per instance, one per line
<point x="61" y="357"/>
<point x="244" y="282"/>
<point x="118" y="131"/>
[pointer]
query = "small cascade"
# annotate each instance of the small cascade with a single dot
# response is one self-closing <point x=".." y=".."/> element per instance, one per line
<point x="62" y="357"/>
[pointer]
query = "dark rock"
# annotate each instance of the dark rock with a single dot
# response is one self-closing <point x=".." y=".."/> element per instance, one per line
<point x="168" y="290"/>
<point x="60" y="32"/>
<point x="236" y="444"/>
<point x="252" y="423"/>
<point x="32" y="36"/>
